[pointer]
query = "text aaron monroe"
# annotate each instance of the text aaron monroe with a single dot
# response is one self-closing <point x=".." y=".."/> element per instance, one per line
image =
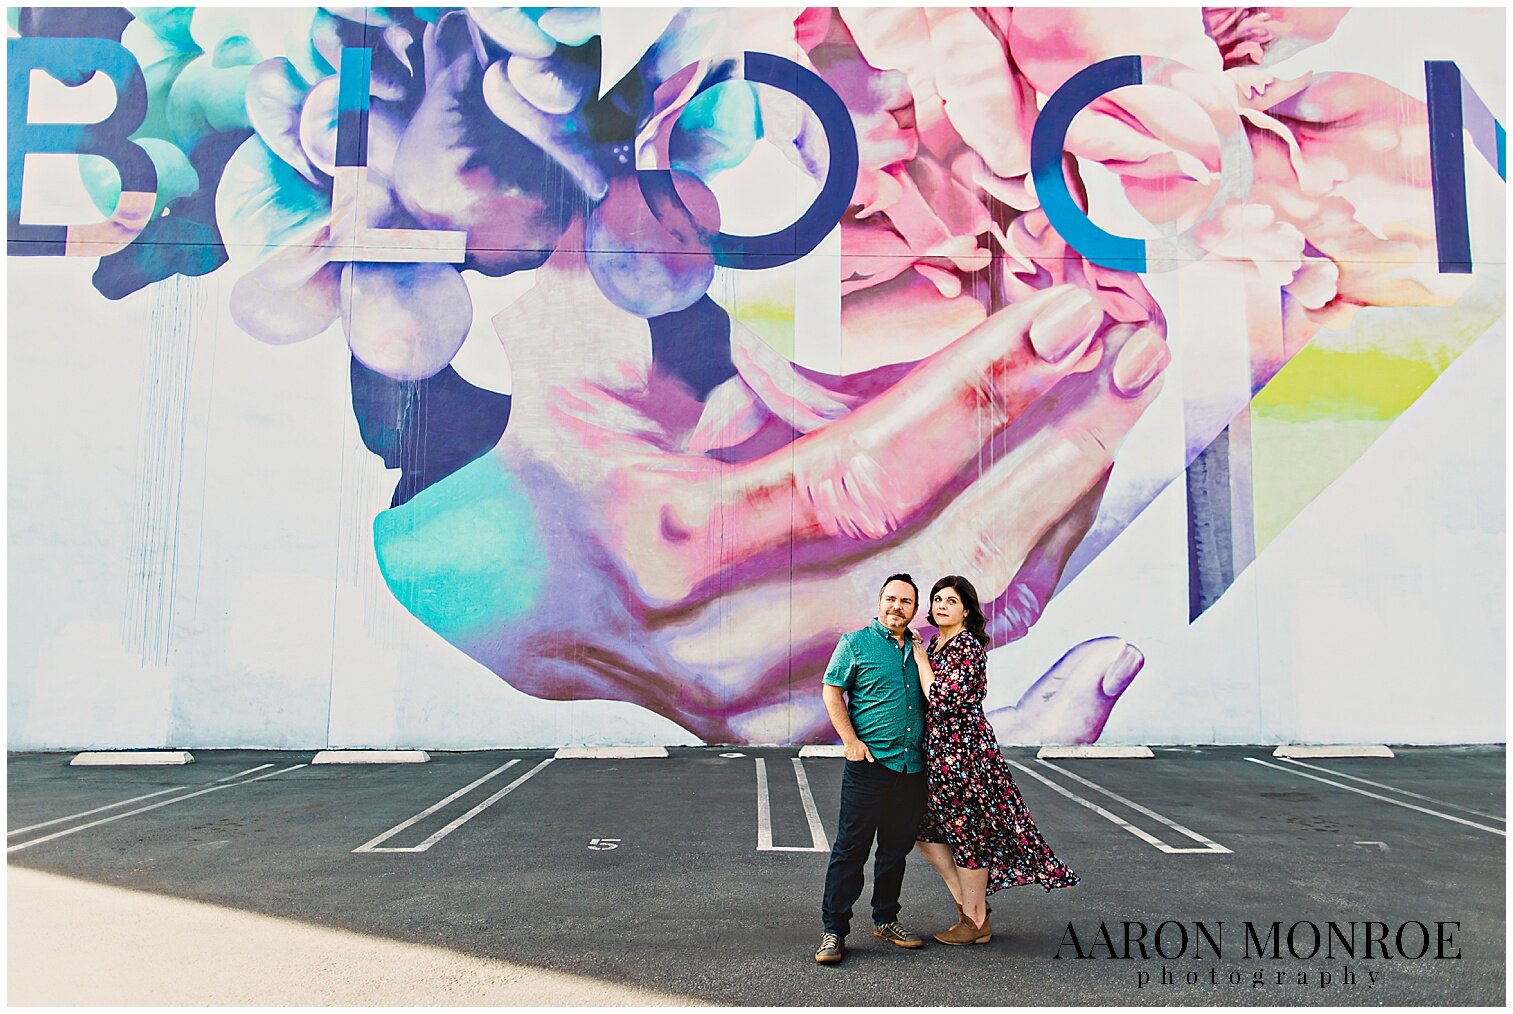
<point x="1302" y="940"/>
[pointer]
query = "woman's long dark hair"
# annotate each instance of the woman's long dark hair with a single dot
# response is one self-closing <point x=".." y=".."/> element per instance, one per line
<point x="975" y="622"/>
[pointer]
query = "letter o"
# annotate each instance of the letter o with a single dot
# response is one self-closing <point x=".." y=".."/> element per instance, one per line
<point x="1402" y="951"/>
<point x="805" y="233"/>
<point x="1182" y="949"/>
<point x="1292" y="947"/>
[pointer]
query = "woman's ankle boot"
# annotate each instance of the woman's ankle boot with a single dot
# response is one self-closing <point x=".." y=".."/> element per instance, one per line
<point x="966" y="932"/>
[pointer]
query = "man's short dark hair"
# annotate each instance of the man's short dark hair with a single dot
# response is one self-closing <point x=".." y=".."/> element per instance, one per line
<point x="906" y="579"/>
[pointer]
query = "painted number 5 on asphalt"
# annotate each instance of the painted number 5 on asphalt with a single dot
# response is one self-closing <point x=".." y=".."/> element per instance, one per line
<point x="603" y="844"/>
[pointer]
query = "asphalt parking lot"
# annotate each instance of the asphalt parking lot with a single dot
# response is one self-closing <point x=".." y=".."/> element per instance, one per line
<point x="700" y="874"/>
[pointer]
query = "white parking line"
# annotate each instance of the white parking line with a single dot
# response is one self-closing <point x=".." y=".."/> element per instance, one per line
<point x="373" y="845"/>
<point x="112" y="805"/>
<point x="144" y="809"/>
<point x="1209" y="846"/>
<point x="816" y="829"/>
<point x="1373" y="795"/>
<point x="247" y="772"/>
<point x="764" y="813"/>
<point x="124" y="802"/>
<point x="1393" y="788"/>
<point x="98" y="809"/>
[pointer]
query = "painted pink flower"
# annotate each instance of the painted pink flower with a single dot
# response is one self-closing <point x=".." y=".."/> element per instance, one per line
<point x="933" y="242"/>
<point x="1340" y="211"/>
<point x="945" y="226"/>
<point x="1345" y="162"/>
<point x="1261" y="35"/>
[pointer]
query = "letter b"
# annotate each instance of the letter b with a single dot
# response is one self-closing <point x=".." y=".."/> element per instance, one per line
<point x="109" y="138"/>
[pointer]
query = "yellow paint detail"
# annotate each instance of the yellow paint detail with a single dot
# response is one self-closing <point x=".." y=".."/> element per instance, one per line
<point x="1322" y="410"/>
<point x="1341" y="385"/>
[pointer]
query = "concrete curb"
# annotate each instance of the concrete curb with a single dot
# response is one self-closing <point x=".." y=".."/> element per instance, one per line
<point x="823" y="751"/>
<point x="1338" y="750"/>
<point x="1060" y="752"/>
<point x="609" y="752"/>
<point x="118" y="758"/>
<point x="370" y="757"/>
<point x="1045" y="751"/>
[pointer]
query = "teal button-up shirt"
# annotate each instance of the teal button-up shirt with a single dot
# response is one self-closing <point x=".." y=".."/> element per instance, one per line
<point x="886" y="704"/>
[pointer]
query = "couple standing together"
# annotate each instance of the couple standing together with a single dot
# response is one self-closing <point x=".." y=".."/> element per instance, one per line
<point x="923" y="769"/>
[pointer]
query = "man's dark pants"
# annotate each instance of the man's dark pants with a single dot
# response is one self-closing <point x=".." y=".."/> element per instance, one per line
<point x="875" y="802"/>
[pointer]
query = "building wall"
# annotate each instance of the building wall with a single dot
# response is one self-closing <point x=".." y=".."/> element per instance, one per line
<point x="465" y="379"/>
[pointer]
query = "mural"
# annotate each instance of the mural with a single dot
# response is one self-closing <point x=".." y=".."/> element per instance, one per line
<point x="798" y="298"/>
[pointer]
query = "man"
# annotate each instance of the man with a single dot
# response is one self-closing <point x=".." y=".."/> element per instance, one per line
<point x="881" y="722"/>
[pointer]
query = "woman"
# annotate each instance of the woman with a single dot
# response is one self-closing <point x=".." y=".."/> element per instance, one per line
<point x="977" y="832"/>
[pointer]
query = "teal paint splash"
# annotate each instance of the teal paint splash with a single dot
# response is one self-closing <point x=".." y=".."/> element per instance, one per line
<point x="176" y="176"/>
<point x="717" y="130"/>
<point x="465" y="556"/>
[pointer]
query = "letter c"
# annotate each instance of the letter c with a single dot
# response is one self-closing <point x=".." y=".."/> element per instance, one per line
<point x="1048" y="142"/>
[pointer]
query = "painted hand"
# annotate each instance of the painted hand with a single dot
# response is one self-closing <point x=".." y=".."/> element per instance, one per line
<point x="600" y="553"/>
<point x="1071" y="702"/>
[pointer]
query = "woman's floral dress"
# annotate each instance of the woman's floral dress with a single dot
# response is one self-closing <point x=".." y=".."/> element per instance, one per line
<point x="974" y="805"/>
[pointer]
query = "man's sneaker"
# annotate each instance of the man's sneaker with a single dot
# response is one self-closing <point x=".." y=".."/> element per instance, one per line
<point x="893" y="932"/>
<point x="831" y="949"/>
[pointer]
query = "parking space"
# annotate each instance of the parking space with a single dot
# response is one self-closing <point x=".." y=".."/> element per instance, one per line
<point x="1251" y="795"/>
<point x="783" y="794"/>
<point x="1148" y="825"/>
<point x="700" y="874"/>
<point x="103" y="787"/>
<point x="51" y="829"/>
<point x="1439" y="804"/>
<point x="416" y="834"/>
